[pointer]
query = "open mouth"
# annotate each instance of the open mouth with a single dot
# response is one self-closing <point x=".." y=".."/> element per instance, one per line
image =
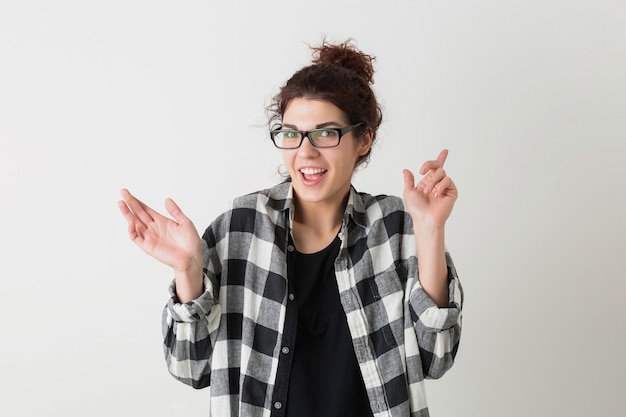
<point x="312" y="174"/>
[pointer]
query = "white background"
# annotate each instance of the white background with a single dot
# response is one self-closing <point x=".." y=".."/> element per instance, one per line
<point x="167" y="98"/>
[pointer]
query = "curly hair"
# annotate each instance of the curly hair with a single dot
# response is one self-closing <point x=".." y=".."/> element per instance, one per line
<point x="342" y="75"/>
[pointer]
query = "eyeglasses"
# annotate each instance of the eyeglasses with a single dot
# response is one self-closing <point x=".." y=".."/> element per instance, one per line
<point x="327" y="137"/>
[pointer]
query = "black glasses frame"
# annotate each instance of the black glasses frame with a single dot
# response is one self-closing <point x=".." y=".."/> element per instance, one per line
<point x="305" y="134"/>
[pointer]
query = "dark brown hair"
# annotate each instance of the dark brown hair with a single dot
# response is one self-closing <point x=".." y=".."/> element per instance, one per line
<point x="342" y="75"/>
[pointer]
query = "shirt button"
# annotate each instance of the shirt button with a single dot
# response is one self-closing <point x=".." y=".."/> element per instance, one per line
<point x="290" y="248"/>
<point x="278" y="405"/>
<point x="285" y="350"/>
<point x="292" y="297"/>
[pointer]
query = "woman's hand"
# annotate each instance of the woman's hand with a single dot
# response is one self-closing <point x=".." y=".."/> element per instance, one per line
<point x="173" y="242"/>
<point x="432" y="199"/>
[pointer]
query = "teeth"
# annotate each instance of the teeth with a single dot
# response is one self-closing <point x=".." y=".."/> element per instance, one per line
<point x="312" y="171"/>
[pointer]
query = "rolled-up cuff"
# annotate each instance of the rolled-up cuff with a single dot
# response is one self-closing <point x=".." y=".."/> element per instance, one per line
<point x="193" y="310"/>
<point x="433" y="317"/>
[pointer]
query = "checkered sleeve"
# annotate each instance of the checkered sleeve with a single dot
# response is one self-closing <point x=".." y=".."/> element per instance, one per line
<point x="189" y="329"/>
<point x="438" y="329"/>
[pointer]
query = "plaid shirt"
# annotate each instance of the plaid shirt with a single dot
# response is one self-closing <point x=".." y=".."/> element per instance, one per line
<point x="230" y="337"/>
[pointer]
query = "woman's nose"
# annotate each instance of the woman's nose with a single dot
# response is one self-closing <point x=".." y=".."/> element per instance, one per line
<point x="307" y="148"/>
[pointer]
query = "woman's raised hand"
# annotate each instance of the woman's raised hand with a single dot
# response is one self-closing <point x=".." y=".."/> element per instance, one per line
<point x="432" y="199"/>
<point x="173" y="242"/>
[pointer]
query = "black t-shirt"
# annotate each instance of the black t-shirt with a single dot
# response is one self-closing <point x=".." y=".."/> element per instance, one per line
<point x="325" y="376"/>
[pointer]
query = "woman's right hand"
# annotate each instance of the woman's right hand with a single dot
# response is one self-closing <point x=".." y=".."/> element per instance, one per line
<point x="173" y="242"/>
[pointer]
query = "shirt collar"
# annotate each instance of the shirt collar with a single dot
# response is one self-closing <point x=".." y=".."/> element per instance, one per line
<point x="280" y="196"/>
<point x="281" y="199"/>
<point x="356" y="208"/>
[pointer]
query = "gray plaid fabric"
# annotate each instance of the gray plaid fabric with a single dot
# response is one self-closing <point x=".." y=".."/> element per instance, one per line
<point x="230" y="337"/>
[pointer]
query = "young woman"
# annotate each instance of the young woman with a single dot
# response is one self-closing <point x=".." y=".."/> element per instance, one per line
<point x="307" y="299"/>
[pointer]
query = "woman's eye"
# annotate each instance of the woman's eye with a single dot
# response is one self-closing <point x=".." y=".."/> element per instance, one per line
<point x="326" y="133"/>
<point x="291" y="134"/>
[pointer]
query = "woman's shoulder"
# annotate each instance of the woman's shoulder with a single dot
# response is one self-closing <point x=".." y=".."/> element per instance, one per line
<point x="277" y="197"/>
<point x="385" y="202"/>
<point x="247" y="210"/>
<point x="375" y="211"/>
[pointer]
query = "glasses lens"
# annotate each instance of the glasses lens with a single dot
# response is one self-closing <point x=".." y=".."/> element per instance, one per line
<point x="287" y="138"/>
<point x="325" y="138"/>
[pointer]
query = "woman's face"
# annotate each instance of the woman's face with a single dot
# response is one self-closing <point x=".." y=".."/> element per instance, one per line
<point x="321" y="175"/>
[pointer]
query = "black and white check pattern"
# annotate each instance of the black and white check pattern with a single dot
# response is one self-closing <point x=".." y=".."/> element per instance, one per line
<point x="230" y="337"/>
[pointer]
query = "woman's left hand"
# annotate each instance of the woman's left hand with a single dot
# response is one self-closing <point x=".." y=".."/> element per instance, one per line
<point x="432" y="199"/>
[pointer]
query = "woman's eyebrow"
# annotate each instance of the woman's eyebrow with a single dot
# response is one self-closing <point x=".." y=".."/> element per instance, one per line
<point x="319" y="126"/>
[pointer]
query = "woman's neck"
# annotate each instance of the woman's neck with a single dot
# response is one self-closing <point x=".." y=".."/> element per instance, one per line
<point x="315" y="225"/>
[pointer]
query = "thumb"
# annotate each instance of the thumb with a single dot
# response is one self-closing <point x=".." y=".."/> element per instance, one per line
<point x="409" y="180"/>
<point x="175" y="211"/>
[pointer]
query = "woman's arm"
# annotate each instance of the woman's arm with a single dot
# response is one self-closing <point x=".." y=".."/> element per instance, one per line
<point x="189" y="334"/>
<point x="191" y="317"/>
<point x="430" y="203"/>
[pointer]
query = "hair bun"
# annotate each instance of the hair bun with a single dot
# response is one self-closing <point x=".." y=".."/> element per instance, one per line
<point x="347" y="56"/>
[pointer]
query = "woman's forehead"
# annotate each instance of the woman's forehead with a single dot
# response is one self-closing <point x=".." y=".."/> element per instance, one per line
<point x="312" y="112"/>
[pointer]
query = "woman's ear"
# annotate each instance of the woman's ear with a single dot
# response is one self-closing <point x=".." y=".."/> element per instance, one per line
<point x="365" y="143"/>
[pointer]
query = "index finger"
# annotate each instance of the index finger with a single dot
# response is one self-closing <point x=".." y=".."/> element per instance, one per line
<point x="137" y="207"/>
<point x="435" y="163"/>
<point x="442" y="156"/>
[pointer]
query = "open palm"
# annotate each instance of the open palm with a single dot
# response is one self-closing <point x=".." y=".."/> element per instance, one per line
<point x="174" y="242"/>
